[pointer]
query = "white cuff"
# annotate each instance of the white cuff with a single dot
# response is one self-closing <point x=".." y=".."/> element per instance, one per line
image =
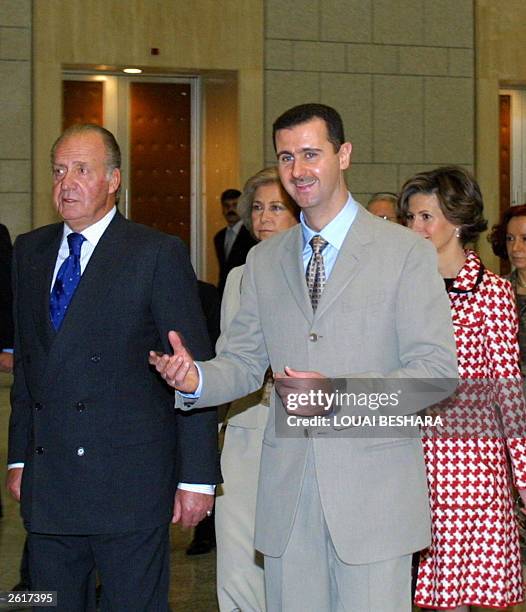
<point x="190" y="398"/>
<point x="197" y="488"/>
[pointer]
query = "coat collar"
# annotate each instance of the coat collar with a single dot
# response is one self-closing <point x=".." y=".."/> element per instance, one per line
<point x="470" y="275"/>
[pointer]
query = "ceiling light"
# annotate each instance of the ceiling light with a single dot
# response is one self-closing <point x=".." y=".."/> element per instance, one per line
<point x="132" y="70"/>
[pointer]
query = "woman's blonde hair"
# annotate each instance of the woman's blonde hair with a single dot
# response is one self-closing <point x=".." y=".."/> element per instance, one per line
<point x="263" y="177"/>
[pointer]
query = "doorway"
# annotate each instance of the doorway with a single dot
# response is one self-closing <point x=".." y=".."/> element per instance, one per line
<point x="512" y="151"/>
<point x="156" y="122"/>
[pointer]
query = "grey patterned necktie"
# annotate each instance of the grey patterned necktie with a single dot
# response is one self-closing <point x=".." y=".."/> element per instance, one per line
<point x="316" y="271"/>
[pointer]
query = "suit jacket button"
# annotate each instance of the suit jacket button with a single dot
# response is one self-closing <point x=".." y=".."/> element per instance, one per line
<point x="39" y="450"/>
<point x="38" y="406"/>
<point x="95" y="358"/>
<point x="80" y="451"/>
<point x="313" y="337"/>
<point x="80" y="406"/>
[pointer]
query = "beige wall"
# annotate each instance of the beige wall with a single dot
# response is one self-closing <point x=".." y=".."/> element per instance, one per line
<point x="196" y="37"/>
<point x="401" y="74"/>
<point x="15" y="115"/>
<point x="221" y="158"/>
<point x="501" y="60"/>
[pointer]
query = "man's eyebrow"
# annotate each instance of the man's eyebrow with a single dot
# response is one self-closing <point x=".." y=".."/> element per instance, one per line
<point x="302" y="150"/>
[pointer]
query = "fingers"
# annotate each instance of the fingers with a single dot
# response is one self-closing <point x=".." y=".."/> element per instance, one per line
<point x="175" y="340"/>
<point x="177" y="511"/>
<point x="193" y="507"/>
<point x="301" y="374"/>
<point x="154" y="357"/>
<point x="13" y="482"/>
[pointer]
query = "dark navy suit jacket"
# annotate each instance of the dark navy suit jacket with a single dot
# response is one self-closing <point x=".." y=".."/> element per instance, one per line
<point x="94" y="424"/>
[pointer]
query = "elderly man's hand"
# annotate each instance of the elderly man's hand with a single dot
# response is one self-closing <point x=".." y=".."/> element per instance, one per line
<point x="6" y="362"/>
<point x="14" y="482"/>
<point x="178" y="370"/>
<point x="191" y="508"/>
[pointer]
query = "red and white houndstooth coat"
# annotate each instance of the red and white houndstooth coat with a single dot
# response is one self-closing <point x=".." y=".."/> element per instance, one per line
<point x="474" y="557"/>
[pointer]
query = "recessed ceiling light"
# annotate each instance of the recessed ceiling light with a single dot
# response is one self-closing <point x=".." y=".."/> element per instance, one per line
<point x="132" y="70"/>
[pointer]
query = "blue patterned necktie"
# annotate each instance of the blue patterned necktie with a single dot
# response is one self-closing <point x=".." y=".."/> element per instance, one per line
<point x="68" y="278"/>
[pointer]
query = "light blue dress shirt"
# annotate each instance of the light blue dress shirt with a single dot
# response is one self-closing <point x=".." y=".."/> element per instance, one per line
<point x="334" y="233"/>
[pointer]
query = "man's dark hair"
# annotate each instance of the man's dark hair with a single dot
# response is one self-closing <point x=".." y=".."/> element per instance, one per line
<point x="230" y="194"/>
<point x="305" y="112"/>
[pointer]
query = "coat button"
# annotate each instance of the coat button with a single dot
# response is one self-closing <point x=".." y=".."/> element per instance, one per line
<point x="39" y="450"/>
<point x="80" y="451"/>
<point x="38" y="406"/>
<point x="313" y="337"/>
<point x="80" y="406"/>
<point x="95" y="358"/>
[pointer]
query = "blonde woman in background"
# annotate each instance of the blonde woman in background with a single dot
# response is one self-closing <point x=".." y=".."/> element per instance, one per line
<point x="266" y="210"/>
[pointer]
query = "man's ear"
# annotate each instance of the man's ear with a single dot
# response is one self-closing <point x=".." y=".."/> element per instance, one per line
<point x="345" y="155"/>
<point x="115" y="180"/>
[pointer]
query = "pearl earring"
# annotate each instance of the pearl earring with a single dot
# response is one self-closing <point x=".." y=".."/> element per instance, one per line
<point x="457" y="232"/>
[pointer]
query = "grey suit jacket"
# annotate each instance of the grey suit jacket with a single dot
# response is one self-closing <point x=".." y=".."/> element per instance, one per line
<point x="384" y="312"/>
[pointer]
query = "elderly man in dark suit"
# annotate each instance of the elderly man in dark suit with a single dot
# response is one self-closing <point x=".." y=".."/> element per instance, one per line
<point x="97" y="453"/>
<point x="233" y="242"/>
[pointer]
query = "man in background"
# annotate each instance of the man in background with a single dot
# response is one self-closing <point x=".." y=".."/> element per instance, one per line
<point x="234" y="241"/>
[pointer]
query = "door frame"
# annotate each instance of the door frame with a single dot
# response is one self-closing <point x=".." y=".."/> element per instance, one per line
<point x="116" y="118"/>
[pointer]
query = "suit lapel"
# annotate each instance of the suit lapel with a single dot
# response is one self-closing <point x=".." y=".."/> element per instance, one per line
<point x="292" y="266"/>
<point x="347" y="263"/>
<point x="41" y="272"/>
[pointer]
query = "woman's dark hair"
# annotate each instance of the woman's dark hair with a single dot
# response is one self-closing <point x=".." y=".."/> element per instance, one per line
<point x="458" y="195"/>
<point x="497" y="236"/>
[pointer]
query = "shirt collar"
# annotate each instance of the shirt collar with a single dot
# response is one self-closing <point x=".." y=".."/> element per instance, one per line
<point x="335" y="231"/>
<point x="94" y="232"/>
<point x="236" y="227"/>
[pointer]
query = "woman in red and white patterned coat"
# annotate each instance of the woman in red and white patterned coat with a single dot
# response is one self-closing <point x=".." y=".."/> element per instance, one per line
<point x="474" y="556"/>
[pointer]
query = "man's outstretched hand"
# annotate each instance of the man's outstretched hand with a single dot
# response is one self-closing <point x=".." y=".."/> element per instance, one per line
<point x="178" y="370"/>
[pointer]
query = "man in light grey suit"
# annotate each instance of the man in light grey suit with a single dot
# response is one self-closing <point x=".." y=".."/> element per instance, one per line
<point x="337" y="517"/>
